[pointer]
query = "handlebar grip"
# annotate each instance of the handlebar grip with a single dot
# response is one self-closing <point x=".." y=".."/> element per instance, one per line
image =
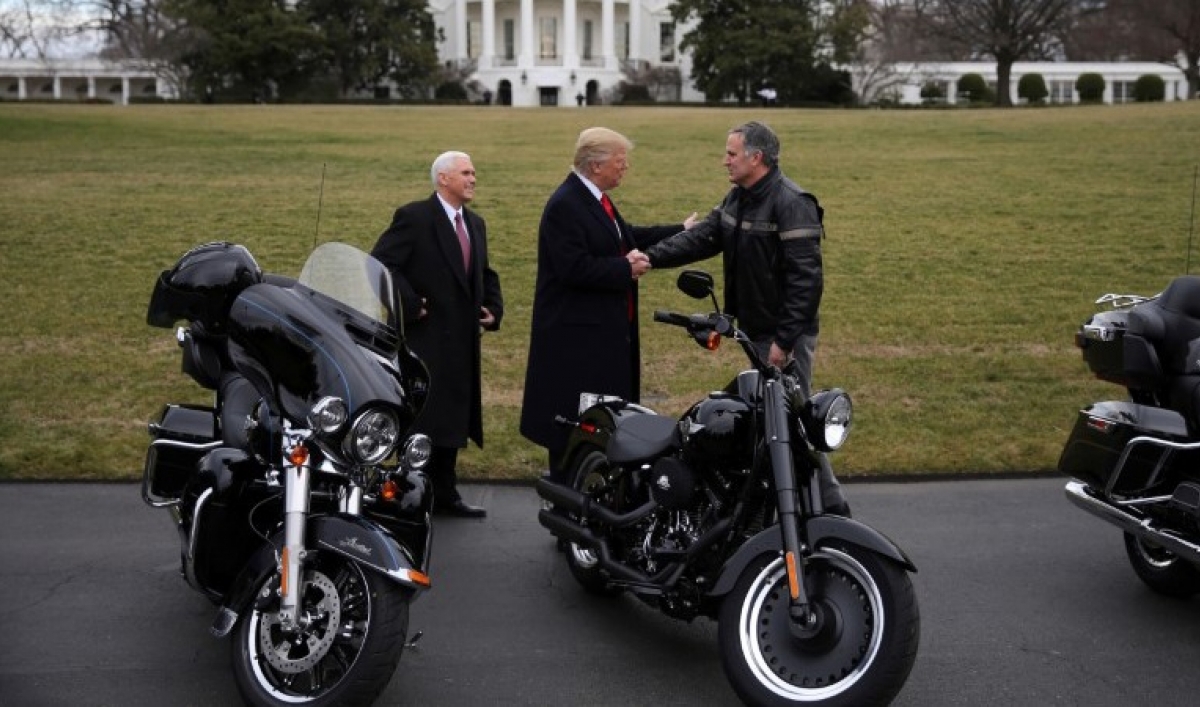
<point x="672" y="318"/>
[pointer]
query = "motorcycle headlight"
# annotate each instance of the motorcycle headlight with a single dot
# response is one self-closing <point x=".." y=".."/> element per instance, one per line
<point x="417" y="451"/>
<point x="372" y="437"/>
<point x="827" y="419"/>
<point x="328" y="415"/>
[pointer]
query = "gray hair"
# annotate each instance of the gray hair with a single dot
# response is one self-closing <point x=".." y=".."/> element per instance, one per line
<point x="757" y="137"/>
<point x="444" y="163"/>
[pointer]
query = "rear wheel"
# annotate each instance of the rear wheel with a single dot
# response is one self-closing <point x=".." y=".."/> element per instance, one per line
<point x="1164" y="571"/>
<point x="861" y="651"/>
<point x="591" y="474"/>
<point x="354" y="630"/>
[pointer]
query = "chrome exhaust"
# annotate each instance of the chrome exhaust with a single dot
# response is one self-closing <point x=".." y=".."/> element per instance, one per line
<point x="1137" y="525"/>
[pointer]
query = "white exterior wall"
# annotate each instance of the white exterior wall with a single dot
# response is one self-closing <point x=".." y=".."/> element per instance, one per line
<point x="907" y="79"/>
<point x="475" y="32"/>
<point x="78" y="79"/>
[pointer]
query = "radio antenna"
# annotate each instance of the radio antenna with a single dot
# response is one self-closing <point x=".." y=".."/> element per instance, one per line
<point x="1192" y="220"/>
<point x="321" y="198"/>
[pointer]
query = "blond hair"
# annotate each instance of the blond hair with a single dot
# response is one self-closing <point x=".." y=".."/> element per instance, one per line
<point x="596" y="145"/>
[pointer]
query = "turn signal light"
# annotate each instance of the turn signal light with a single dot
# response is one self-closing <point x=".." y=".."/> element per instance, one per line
<point x="389" y="490"/>
<point x="299" y="455"/>
<point x="714" y="341"/>
<point x="419" y="578"/>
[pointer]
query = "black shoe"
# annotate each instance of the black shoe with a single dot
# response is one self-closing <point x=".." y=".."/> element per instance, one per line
<point x="460" y="509"/>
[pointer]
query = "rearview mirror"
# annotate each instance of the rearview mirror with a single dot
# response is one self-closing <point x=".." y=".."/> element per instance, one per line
<point x="696" y="284"/>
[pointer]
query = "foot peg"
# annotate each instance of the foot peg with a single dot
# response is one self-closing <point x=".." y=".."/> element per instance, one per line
<point x="1186" y="498"/>
<point x="224" y="623"/>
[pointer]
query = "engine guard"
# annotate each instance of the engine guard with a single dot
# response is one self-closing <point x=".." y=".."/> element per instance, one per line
<point x="819" y="531"/>
<point x="355" y="538"/>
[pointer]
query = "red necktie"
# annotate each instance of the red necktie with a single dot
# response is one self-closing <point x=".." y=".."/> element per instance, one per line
<point x="463" y="241"/>
<point x="608" y="207"/>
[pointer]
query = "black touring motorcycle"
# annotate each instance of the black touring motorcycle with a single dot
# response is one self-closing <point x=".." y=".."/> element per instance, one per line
<point x="291" y="517"/>
<point x="719" y="514"/>
<point x="1136" y="463"/>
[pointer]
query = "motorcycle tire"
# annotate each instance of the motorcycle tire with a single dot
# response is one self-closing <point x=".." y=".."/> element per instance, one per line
<point x="589" y="472"/>
<point x="344" y="656"/>
<point x="861" y="655"/>
<point x="1162" y="570"/>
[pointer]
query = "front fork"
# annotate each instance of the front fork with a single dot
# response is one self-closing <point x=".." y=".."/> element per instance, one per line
<point x="779" y="445"/>
<point x="297" y="493"/>
<point x="297" y="481"/>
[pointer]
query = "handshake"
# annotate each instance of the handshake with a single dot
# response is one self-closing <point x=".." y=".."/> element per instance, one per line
<point x="639" y="263"/>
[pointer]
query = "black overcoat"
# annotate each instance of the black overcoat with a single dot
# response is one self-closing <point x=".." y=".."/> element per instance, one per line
<point x="582" y="337"/>
<point x="422" y="251"/>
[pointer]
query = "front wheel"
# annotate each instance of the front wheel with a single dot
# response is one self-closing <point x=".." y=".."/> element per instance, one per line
<point x="1164" y="571"/>
<point x="861" y="652"/>
<point x="354" y="626"/>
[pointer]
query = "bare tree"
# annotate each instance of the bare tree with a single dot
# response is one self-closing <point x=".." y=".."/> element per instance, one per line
<point x="893" y="37"/>
<point x="32" y="29"/>
<point x="1166" y="31"/>
<point x="1006" y="30"/>
<point x="1173" y="26"/>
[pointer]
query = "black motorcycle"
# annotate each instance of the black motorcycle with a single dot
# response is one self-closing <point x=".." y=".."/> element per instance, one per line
<point x="1136" y="463"/>
<point x="299" y="499"/>
<point x="719" y="514"/>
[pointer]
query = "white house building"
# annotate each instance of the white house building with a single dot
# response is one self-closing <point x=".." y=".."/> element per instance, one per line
<point x="78" y="79"/>
<point x="559" y="52"/>
<point x="903" y="82"/>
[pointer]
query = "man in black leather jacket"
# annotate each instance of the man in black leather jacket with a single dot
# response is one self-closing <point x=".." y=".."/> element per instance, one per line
<point x="769" y="233"/>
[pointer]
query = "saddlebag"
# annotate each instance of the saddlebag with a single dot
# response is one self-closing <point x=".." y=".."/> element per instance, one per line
<point x="1103" y="432"/>
<point x="181" y="435"/>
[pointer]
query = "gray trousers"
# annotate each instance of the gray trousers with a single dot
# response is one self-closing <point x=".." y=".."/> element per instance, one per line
<point x="803" y="352"/>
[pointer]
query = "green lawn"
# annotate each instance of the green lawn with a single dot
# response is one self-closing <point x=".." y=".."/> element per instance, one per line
<point x="963" y="249"/>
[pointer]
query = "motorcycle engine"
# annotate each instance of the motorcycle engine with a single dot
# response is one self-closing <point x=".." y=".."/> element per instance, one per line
<point x="672" y="484"/>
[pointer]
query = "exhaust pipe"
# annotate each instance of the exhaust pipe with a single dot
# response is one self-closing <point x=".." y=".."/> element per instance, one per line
<point x="1141" y="527"/>
<point x="571" y="501"/>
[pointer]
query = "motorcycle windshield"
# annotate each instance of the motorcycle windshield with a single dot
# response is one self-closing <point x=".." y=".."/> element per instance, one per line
<point x="357" y="280"/>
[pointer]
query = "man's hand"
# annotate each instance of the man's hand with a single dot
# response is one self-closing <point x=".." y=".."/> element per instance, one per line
<point x="690" y="221"/>
<point x="778" y="357"/>
<point x="639" y="263"/>
<point x="486" y="319"/>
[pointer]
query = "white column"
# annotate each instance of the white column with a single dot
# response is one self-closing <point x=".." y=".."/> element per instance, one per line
<point x="488" y="58"/>
<point x="57" y="88"/>
<point x="525" y="59"/>
<point x="570" y="53"/>
<point x="21" y="90"/>
<point x="635" y="29"/>
<point x="124" y="90"/>
<point x="91" y="86"/>
<point x="460" y="29"/>
<point x="607" y="42"/>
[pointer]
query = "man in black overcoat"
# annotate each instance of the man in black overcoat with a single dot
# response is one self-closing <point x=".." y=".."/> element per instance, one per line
<point x="437" y="252"/>
<point x="584" y="335"/>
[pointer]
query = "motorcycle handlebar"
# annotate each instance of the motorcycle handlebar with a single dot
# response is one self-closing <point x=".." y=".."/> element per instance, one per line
<point x="672" y="318"/>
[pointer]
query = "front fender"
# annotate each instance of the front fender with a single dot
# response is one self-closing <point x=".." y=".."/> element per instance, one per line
<point x="819" y="531"/>
<point x="353" y="537"/>
<point x="369" y="544"/>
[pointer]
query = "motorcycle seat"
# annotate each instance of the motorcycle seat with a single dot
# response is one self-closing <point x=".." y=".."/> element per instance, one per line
<point x="641" y="437"/>
<point x="1171" y="322"/>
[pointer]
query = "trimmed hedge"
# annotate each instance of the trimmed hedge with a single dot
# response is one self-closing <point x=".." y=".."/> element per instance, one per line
<point x="1090" y="88"/>
<point x="1032" y="87"/>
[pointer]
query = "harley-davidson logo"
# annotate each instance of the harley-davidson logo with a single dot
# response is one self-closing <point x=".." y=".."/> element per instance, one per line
<point x="355" y="545"/>
<point x="664" y="483"/>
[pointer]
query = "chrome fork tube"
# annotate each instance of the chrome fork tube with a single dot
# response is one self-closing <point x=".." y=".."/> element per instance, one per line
<point x="350" y="499"/>
<point x="297" y="478"/>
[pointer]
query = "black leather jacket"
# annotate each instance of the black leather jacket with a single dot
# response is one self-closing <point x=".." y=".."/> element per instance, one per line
<point x="770" y="237"/>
